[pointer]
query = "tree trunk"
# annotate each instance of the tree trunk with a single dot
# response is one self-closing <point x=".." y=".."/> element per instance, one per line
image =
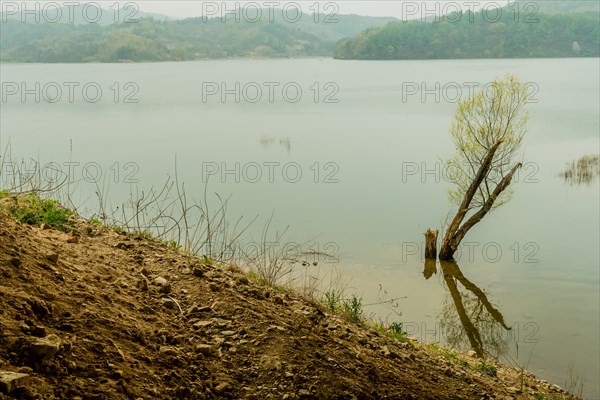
<point x="446" y="252"/>
<point x="455" y="232"/>
<point x="431" y="237"/>
<point x="430" y="268"/>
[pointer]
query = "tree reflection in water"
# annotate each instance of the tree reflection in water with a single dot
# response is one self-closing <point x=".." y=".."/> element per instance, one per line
<point x="468" y="318"/>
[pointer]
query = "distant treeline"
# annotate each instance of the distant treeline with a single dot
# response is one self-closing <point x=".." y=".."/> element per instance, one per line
<point x="542" y="31"/>
<point x="489" y="34"/>
<point x="150" y="39"/>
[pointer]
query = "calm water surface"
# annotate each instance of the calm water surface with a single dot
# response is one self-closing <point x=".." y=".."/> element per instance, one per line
<point x="370" y="180"/>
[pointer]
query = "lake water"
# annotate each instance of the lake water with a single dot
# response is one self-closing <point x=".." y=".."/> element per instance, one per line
<point x="347" y="154"/>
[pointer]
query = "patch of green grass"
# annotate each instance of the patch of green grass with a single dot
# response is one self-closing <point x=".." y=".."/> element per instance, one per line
<point x="143" y="234"/>
<point x="351" y="309"/>
<point x="488" y="369"/>
<point x="95" y="221"/>
<point x="117" y="229"/>
<point x="539" y="396"/>
<point x="451" y="355"/>
<point x="172" y="245"/>
<point x="33" y="210"/>
<point x="255" y="278"/>
<point x="394" y="330"/>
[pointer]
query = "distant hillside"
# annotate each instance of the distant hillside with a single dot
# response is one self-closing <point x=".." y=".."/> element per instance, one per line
<point x="156" y="39"/>
<point x="472" y="35"/>
<point x="150" y="40"/>
<point x="342" y="25"/>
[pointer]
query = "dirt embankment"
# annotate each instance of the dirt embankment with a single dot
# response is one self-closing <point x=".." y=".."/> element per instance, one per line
<point x="101" y="315"/>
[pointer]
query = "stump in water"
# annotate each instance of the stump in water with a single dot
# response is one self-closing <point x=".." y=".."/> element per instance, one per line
<point x="431" y="244"/>
<point x="430" y="268"/>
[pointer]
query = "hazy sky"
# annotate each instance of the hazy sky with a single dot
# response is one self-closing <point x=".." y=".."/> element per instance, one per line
<point x="402" y="9"/>
<point x="396" y="8"/>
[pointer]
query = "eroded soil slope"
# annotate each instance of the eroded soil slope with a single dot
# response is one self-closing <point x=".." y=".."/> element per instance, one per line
<point x="98" y="315"/>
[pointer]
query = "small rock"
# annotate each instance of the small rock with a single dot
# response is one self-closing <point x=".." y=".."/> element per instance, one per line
<point x="159" y="280"/>
<point x="73" y="239"/>
<point x="166" y="288"/>
<point x="66" y="327"/>
<point x="123" y="245"/>
<point x="271" y="363"/>
<point x="168" y="303"/>
<point x="184" y="291"/>
<point x="38" y="331"/>
<point x="472" y="354"/>
<point x="45" y="347"/>
<point x="143" y="284"/>
<point x="9" y="381"/>
<point x="385" y="351"/>
<point x="196" y="309"/>
<point x="168" y="350"/>
<point x="24" y="327"/>
<point x="15" y="261"/>
<point x="202" y="324"/>
<point x="222" y="387"/>
<point x="52" y="257"/>
<point x="205" y="349"/>
<point x="513" y="389"/>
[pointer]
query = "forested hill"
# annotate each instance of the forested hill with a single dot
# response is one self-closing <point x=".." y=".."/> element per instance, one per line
<point x="527" y="34"/>
<point x="151" y="39"/>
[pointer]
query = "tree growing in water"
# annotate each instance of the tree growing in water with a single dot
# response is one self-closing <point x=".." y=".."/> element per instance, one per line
<point x="487" y="131"/>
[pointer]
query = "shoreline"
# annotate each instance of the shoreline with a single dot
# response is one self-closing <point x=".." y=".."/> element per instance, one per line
<point x="96" y="310"/>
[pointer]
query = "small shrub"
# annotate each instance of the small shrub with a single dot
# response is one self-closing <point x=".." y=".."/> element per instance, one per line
<point x="353" y="309"/>
<point x="333" y="301"/>
<point x="396" y="331"/>
<point x="379" y="327"/>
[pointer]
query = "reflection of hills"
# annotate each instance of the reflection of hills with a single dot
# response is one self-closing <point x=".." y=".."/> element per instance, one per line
<point x="470" y="320"/>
